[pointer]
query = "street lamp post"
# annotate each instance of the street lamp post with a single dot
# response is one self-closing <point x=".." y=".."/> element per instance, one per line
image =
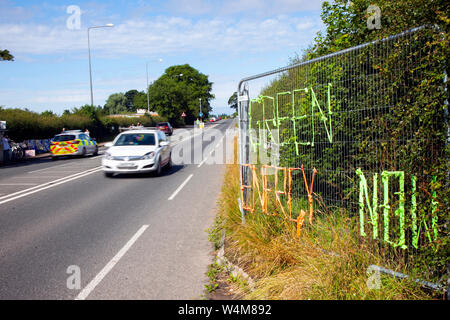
<point x="89" y="50"/>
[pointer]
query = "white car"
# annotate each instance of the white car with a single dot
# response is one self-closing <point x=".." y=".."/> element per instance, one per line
<point x="137" y="151"/>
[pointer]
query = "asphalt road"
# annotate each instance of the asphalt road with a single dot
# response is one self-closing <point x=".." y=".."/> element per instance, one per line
<point x="127" y="237"/>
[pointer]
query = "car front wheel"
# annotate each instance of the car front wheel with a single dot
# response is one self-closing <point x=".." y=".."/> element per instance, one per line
<point x="169" y="164"/>
<point x="157" y="172"/>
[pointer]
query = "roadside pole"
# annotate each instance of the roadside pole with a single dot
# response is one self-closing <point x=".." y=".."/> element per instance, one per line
<point x="243" y="100"/>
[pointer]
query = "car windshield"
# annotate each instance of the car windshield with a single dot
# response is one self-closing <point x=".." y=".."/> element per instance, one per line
<point x="136" y="139"/>
<point x="65" y="137"/>
<point x="162" y="124"/>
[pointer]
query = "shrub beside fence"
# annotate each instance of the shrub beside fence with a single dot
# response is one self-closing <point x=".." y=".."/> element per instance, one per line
<point x="364" y="130"/>
<point x="25" y="125"/>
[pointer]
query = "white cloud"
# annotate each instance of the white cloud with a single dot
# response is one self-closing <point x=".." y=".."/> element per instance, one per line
<point x="270" y="8"/>
<point x="163" y="35"/>
<point x="192" y="7"/>
<point x="76" y="94"/>
<point x="9" y="11"/>
<point x="245" y="29"/>
<point x="254" y="8"/>
<point x="223" y="87"/>
<point x="43" y="97"/>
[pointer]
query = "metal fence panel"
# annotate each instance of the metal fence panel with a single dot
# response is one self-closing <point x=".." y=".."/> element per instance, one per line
<point x="362" y="130"/>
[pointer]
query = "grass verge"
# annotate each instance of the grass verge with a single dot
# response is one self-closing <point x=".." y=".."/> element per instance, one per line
<point x="285" y="267"/>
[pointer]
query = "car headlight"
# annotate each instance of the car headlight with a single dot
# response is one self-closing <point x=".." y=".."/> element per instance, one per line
<point x="108" y="156"/>
<point x="148" y="156"/>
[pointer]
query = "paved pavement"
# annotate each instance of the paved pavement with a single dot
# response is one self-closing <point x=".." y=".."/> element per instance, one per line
<point x="130" y="236"/>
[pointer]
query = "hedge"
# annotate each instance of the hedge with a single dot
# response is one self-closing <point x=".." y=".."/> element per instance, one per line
<point x="24" y="124"/>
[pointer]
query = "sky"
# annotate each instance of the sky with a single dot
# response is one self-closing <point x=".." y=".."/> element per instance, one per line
<point x="226" y="40"/>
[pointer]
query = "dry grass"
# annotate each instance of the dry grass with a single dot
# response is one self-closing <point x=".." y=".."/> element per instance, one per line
<point x="285" y="267"/>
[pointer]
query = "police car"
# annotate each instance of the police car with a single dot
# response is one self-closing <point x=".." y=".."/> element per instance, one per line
<point x="72" y="143"/>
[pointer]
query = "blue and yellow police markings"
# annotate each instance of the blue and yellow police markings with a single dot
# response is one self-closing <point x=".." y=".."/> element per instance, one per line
<point x="69" y="147"/>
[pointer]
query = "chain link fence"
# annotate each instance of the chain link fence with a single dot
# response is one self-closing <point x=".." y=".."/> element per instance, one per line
<point x="362" y="133"/>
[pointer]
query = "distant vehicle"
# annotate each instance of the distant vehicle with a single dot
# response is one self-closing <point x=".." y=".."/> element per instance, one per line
<point x="165" y="127"/>
<point x="138" y="151"/>
<point x="72" y="143"/>
<point x="212" y="119"/>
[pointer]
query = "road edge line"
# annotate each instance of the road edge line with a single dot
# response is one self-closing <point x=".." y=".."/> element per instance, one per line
<point x="180" y="187"/>
<point x="110" y="265"/>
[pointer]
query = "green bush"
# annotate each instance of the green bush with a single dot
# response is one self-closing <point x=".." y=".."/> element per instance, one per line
<point x="25" y="124"/>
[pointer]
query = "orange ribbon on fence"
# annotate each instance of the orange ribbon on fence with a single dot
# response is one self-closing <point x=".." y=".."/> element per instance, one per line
<point x="278" y="192"/>
<point x="300" y="220"/>
<point x="265" y="189"/>
<point x="309" y="190"/>
<point x="290" y="193"/>
<point x="248" y="202"/>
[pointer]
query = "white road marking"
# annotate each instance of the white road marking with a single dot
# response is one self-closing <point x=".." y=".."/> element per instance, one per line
<point x="211" y="152"/>
<point x="52" y="167"/>
<point x="193" y="136"/>
<point x="18" y="184"/>
<point x="201" y="163"/>
<point x="59" y="171"/>
<point x="188" y="138"/>
<point x="220" y="141"/>
<point x="106" y="269"/>
<point x="174" y="143"/>
<point x="40" y="177"/>
<point x="47" y="185"/>
<point x="180" y="187"/>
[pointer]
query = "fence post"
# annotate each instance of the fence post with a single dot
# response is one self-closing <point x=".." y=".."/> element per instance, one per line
<point x="244" y="143"/>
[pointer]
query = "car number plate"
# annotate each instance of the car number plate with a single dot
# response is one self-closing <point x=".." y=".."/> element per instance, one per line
<point x="127" y="164"/>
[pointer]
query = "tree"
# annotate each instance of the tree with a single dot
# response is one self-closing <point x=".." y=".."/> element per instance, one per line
<point x="116" y="103"/>
<point x="140" y="100"/>
<point x="48" y="113"/>
<point x="346" y="21"/>
<point x="89" y="111"/>
<point x="179" y="90"/>
<point x="130" y="95"/>
<point x="233" y="102"/>
<point x="5" y="55"/>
